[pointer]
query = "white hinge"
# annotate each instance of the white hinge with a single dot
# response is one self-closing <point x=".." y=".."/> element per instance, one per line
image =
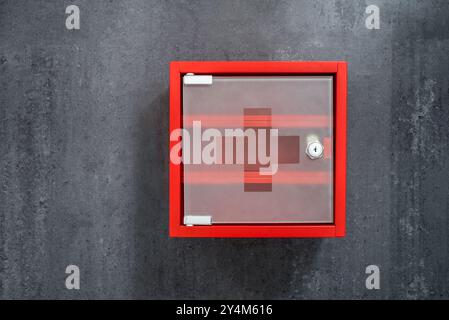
<point x="191" y="79"/>
<point x="197" y="220"/>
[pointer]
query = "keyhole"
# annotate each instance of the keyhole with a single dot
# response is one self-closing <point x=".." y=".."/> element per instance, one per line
<point x="314" y="150"/>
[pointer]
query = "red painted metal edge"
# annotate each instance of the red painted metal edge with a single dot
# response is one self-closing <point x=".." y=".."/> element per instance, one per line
<point x="177" y="229"/>
<point x="340" y="151"/>
<point x="256" y="231"/>
<point x="175" y="186"/>
<point x="257" y="67"/>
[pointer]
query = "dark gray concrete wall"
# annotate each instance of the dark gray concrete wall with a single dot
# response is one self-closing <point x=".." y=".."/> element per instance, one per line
<point x="84" y="149"/>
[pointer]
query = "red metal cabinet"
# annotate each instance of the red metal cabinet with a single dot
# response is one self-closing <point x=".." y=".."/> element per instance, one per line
<point x="297" y="109"/>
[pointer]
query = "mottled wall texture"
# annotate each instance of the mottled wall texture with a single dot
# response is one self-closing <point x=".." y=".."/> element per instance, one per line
<point x="84" y="149"/>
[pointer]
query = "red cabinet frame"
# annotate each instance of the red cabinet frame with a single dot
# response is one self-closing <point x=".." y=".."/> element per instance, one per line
<point x="336" y="68"/>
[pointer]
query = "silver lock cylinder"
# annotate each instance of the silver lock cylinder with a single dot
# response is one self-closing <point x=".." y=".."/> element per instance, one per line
<point x="315" y="148"/>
